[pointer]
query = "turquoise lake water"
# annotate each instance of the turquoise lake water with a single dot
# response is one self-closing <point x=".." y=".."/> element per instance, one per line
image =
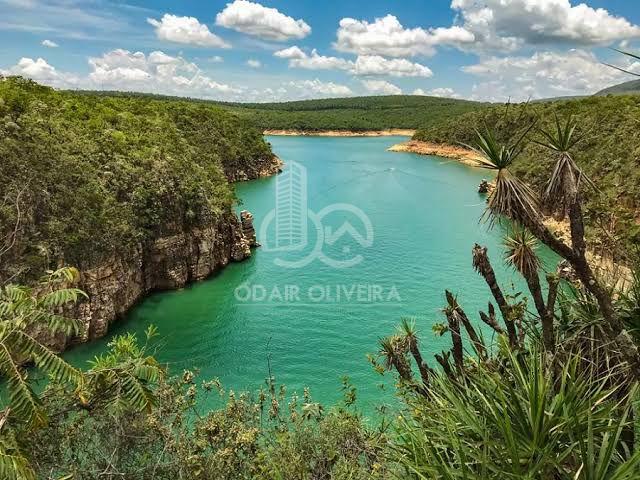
<point x="316" y="306"/>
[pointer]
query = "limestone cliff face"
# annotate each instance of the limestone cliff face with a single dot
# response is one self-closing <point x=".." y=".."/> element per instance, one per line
<point x="167" y="263"/>
<point x="252" y="170"/>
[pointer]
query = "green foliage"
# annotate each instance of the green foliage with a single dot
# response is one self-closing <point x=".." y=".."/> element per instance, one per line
<point x="86" y="176"/>
<point x="355" y="114"/>
<point x="606" y="153"/>
<point x="24" y="311"/>
<point x="269" y="435"/>
<point x="520" y="419"/>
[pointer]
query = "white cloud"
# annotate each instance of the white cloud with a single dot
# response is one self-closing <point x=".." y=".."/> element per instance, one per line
<point x="444" y="92"/>
<point x="386" y="36"/>
<point x="40" y="71"/>
<point x="544" y="74"/>
<point x="399" y="67"/>
<point x="315" y="88"/>
<point x="155" y="73"/>
<point x="254" y="63"/>
<point x="364" y="64"/>
<point x="186" y="30"/>
<point x="381" y="87"/>
<point x="291" y="52"/>
<point x="318" y="62"/>
<point x="267" y="23"/>
<point x="49" y="44"/>
<point x="507" y="25"/>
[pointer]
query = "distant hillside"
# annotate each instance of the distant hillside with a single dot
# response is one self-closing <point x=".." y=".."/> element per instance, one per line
<point x="355" y="113"/>
<point x="609" y="151"/>
<point x="358" y="113"/>
<point x="631" y="87"/>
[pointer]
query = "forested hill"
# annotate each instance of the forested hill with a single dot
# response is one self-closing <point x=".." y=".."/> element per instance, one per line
<point x="85" y="176"/>
<point x="609" y="151"/>
<point x="354" y="114"/>
<point x="626" y="88"/>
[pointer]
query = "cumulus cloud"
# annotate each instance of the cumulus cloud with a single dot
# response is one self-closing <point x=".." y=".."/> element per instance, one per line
<point x="397" y="67"/>
<point x="381" y="87"/>
<point x="508" y="25"/>
<point x="267" y="23"/>
<point x="155" y="73"/>
<point x="40" y="71"/>
<point x="186" y="30"/>
<point x="315" y="88"/>
<point x="544" y="74"/>
<point x="49" y="44"/>
<point x="299" y="59"/>
<point x="254" y="63"/>
<point x="444" y="92"/>
<point x="363" y="66"/>
<point x="386" y="36"/>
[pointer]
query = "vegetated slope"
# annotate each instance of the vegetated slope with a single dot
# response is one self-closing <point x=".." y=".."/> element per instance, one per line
<point x="84" y="176"/>
<point x="626" y="88"/>
<point x="609" y="152"/>
<point x="355" y="114"/>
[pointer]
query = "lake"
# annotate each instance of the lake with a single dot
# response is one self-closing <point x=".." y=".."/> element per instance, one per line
<point x="354" y="238"/>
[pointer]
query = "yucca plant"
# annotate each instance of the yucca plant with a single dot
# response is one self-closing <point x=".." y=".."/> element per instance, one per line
<point x="518" y="420"/>
<point x="520" y="252"/>
<point x="408" y="332"/>
<point x="511" y="198"/>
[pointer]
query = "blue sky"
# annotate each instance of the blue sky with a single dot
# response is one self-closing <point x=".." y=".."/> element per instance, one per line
<point x="284" y="50"/>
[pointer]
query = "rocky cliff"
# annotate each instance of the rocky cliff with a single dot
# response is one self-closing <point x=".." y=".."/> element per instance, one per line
<point x="164" y="264"/>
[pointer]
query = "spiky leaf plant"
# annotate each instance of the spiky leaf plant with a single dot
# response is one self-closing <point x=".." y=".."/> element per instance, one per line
<point x="520" y="251"/>
<point x="511" y="198"/>
<point x="564" y="183"/>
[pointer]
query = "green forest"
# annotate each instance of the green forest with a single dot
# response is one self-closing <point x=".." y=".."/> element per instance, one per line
<point x="550" y="393"/>
<point x="607" y="149"/>
<point x="86" y="176"/>
<point x="353" y="114"/>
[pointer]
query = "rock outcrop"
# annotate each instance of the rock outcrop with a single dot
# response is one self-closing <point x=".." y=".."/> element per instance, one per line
<point x="167" y="263"/>
<point x="246" y="218"/>
<point x="258" y="169"/>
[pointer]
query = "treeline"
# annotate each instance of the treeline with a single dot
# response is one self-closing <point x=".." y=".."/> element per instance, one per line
<point x="84" y="176"/>
<point x="607" y="149"/>
<point x="355" y="113"/>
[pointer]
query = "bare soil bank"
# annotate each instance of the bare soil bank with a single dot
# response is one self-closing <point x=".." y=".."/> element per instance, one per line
<point x="464" y="155"/>
<point x="342" y="133"/>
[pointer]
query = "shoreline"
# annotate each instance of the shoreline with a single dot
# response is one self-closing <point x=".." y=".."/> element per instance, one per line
<point x="391" y="132"/>
<point x="463" y="155"/>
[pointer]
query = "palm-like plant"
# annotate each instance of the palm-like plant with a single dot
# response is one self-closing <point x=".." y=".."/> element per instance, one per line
<point x="23" y="311"/>
<point x="393" y="350"/>
<point x="564" y="184"/>
<point x="520" y="252"/>
<point x="409" y="333"/>
<point x="511" y="198"/>
<point x="123" y="378"/>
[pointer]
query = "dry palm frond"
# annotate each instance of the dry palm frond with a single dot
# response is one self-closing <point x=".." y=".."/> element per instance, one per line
<point x="564" y="183"/>
<point x="511" y="197"/>
<point x="520" y="251"/>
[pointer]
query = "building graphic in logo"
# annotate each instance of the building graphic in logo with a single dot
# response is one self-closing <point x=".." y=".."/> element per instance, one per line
<point x="294" y="221"/>
<point x="291" y="209"/>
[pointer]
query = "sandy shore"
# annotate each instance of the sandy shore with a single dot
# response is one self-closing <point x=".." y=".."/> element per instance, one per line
<point x="342" y="133"/>
<point x="464" y="155"/>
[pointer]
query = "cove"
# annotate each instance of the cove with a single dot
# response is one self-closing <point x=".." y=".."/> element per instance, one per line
<point x="354" y="238"/>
